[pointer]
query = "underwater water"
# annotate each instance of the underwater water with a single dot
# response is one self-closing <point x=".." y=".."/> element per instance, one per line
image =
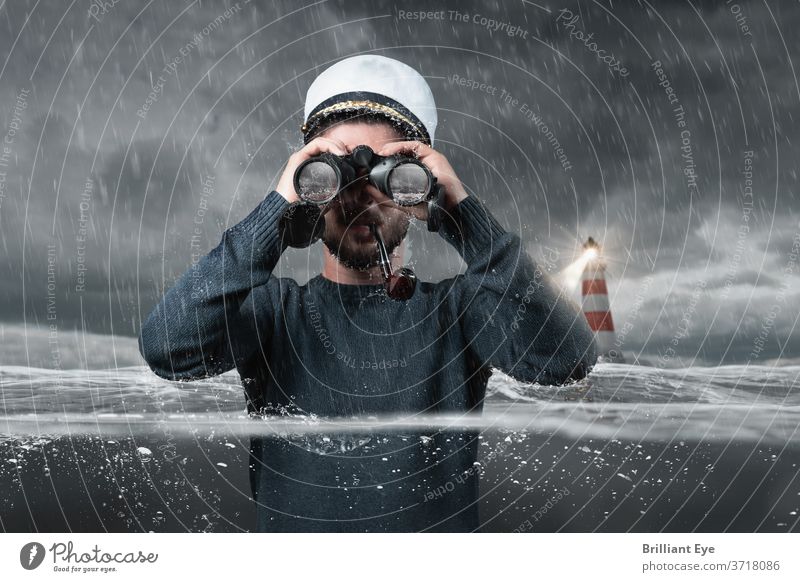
<point x="630" y="448"/>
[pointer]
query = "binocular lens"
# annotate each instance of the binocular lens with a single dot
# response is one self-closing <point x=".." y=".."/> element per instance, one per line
<point x="317" y="182"/>
<point x="409" y="183"/>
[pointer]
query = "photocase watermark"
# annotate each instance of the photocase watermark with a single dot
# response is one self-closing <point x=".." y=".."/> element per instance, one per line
<point x="633" y="314"/>
<point x="768" y="322"/>
<point x="548" y="134"/>
<point x="479" y="86"/>
<point x="7" y="147"/>
<point x="95" y="560"/>
<point x="347" y="360"/>
<point x="450" y="485"/>
<point x="51" y="307"/>
<point x="423" y="15"/>
<point x="550" y="259"/>
<point x="687" y="155"/>
<point x="322" y="333"/>
<point x="490" y="24"/>
<point x="744" y="225"/>
<point x="168" y="448"/>
<point x="378" y="364"/>
<point x="51" y="314"/>
<point x="507" y="98"/>
<point x="196" y="240"/>
<point x="31" y="555"/>
<point x="684" y="324"/>
<point x="84" y="207"/>
<point x="493" y="25"/>
<point x="570" y="22"/>
<point x="664" y="83"/>
<point x="527" y="525"/>
<point x="657" y="379"/>
<point x="476" y="469"/>
<point x="741" y="19"/>
<point x="534" y="285"/>
<point x="99" y="8"/>
<point x="171" y="67"/>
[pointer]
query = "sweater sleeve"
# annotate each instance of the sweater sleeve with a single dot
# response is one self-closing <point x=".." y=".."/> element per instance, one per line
<point x="516" y="317"/>
<point x="204" y="322"/>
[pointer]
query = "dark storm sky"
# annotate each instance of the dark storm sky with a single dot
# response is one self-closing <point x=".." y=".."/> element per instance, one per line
<point x="664" y="192"/>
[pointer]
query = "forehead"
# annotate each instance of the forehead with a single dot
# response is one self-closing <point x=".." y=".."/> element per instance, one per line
<point x="353" y="133"/>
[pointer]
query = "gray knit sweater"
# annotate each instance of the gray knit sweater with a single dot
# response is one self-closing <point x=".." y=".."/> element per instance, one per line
<point x="334" y="350"/>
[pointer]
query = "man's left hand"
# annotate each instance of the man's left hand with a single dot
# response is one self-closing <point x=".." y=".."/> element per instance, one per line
<point x="438" y="165"/>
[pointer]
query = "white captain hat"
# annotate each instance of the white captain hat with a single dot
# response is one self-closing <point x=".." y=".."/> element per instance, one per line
<point x="371" y="85"/>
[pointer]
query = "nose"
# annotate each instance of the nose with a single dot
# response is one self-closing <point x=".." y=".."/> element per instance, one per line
<point x="360" y="193"/>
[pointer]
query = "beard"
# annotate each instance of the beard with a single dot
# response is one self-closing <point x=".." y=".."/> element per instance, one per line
<point x="361" y="254"/>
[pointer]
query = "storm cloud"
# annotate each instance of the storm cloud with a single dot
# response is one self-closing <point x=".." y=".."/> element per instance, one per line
<point x="667" y="131"/>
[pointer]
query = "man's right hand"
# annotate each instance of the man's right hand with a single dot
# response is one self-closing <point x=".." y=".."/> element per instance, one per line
<point x="313" y="148"/>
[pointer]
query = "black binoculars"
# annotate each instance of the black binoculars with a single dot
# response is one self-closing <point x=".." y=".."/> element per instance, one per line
<point x="402" y="178"/>
<point x="318" y="180"/>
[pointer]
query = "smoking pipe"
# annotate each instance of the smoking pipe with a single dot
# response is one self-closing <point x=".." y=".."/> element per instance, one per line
<point x="399" y="286"/>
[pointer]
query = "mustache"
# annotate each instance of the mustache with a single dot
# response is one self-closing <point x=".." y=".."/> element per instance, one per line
<point x="363" y="216"/>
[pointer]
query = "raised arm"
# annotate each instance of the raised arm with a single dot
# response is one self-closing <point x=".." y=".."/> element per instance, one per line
<point x="205" y="319"/>
<point x="210" y="316"/>
<point x="516" y="317"/>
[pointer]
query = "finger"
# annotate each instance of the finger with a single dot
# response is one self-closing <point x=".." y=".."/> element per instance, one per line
<point x="415" y="148"/>
<point x="418" y="211"/>
<point x="402" y="146"/>
<point x="321" y="145"/>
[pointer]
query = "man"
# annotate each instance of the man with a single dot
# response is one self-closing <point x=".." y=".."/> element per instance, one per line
<point x="339" y="347"/>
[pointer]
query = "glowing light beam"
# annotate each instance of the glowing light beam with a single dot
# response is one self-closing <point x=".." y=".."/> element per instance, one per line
<point x="570" y="276"/>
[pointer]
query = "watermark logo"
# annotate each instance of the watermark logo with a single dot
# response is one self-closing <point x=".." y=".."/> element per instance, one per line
<point x="31" y="555"/>
<point x="570" y="21"/>
<point x="527" y="525"/>
<point x="99" y="8"/>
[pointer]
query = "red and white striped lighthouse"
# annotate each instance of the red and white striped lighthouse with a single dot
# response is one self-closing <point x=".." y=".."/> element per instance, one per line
<point x="596" y="306"/>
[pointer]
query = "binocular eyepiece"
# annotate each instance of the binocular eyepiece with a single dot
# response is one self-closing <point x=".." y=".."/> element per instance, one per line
<point x="402" y="178"/>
